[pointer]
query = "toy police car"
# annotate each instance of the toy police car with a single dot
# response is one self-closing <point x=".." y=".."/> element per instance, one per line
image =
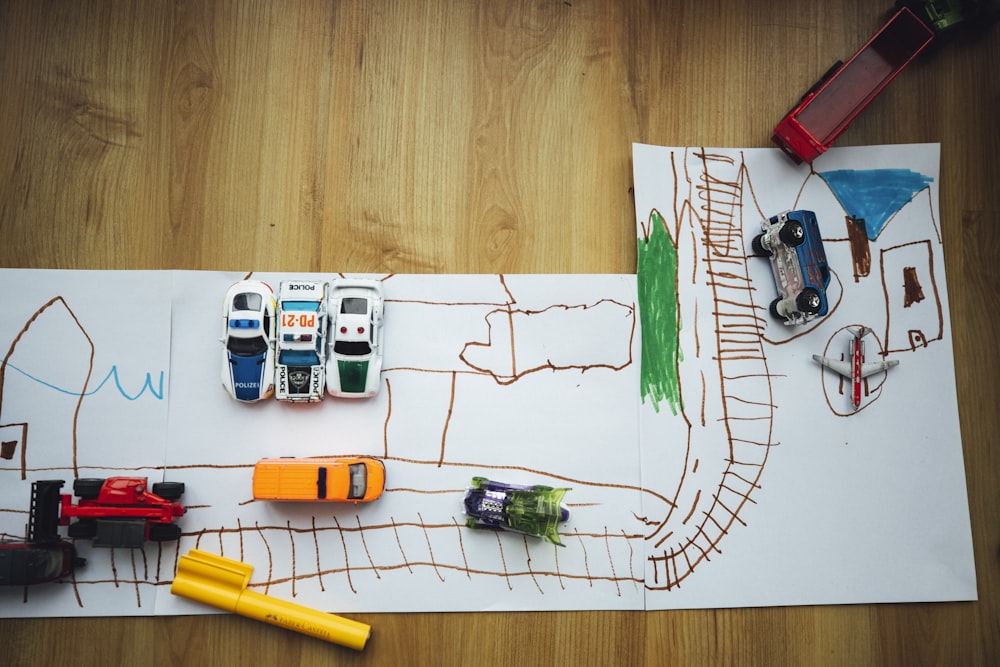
<point x="792" y="242"/>
<point x="248" y="341"/>
<point x="354" y="363"/>
<point x="301" y="341"/>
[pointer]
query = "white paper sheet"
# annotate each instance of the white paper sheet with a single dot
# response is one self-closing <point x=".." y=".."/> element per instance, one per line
<point x="457" y="401"/>
<point x="784" y="494"/>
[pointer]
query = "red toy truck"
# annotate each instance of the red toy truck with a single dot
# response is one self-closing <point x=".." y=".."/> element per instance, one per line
<point x="117" y="511"/>
<point x="835" y="101"/>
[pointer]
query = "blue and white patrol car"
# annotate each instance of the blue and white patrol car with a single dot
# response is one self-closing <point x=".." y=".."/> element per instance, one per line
<point x="354" y="362"/>
<point x="300" y="371"/>
<point x="248" y="321"/>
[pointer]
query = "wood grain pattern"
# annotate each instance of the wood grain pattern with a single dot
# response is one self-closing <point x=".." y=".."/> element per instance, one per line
<point x="469" y="136"/>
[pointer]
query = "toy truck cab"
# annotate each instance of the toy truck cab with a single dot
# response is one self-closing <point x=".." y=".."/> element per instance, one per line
<point x="792" y="242"/>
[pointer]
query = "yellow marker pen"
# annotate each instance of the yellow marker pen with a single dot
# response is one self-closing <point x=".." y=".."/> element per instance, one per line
<point x="222" y="582"/>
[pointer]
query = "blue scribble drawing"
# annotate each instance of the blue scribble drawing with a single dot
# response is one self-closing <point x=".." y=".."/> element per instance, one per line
<point x="875" y="195"/>
<point x="112" y="374"/>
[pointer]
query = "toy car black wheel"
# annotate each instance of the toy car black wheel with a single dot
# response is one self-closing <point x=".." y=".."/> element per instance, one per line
<point x="87" y="488"/>
<point x="808" y="301"/>
<point x="773" y="309"/>
<point x="84" y="529"/>
<point x="757" y="246"/>
<point x="168" y="490"/>
<point x="792" y="233"/>
<point x="164" y="532"/>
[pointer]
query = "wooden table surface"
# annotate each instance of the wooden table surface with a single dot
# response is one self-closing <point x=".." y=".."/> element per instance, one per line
<point x="484" y="137"/>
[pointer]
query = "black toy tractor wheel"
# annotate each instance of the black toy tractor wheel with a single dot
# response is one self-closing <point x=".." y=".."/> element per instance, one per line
<point x="164" y="532"/>
<point x="87" y="488"/>
<point x="84" y="529"/>
<point x="792" y="233"/>
<point x="773" y="309"/>
<point x="168" y="490"/>
<point x="808" y="301"/>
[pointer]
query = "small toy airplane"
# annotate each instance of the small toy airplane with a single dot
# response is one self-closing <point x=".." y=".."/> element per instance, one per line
<point x="856" y="369"/>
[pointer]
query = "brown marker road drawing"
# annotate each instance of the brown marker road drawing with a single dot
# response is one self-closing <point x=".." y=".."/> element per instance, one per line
<point x="730" y="398"/>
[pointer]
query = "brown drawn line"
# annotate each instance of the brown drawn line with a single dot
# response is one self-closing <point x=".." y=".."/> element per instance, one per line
<point x="611" y="561"/>
<point x="83" y="391"/>
<point x="503" y="561"/>
<point x="446" y="566"/>
<point x="586" y="557"/>
<point x="461" y="549"/>
<point x="742" y="478"/>
<point x="364" y="544"/>
<point x="704" y="397"/>
<point x="516" y="375"/>
<point x="291" y="543"/>
<point x="697" y="497"/>
<point x="347" y="557"/>
<point x="270" y="557"/>
<point x="76" y="590"/>
<point x="697" y="335"/>
<point x="426" y="371"/>
<point x="631" y="555"/>
<point x="399" y="543"/>
<point x="749" y="402"/>
<point x="135" y="575"/>
<point x="527" y="561"/>
<point x="719" y="502"/>
<point x="447" y="421"/>
<point x="455" y="304"/>
<point x="687" y="560"/>
<point x="503" y="283"/>
<point x="508" y="575"/>
<point x="425" y="492"/>
<point x="558" y="573"/>
<point x="388" y="415"/>
<point x="741" y="494"/>
<point x="430" y="549"/>
<point x="285" y="529"/>
<point x="239" y="527"/>
<point x="159" y="562"/>
<point x="673" y="563"/>
<point x="533" y="471"/>
<point x="114" y="569"/>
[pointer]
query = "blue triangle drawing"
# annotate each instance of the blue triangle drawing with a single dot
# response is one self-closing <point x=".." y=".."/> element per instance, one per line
<point x="874" y="194"/>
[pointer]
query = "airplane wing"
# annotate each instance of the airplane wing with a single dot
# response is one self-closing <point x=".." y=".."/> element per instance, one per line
<point x="871" y="367"/>
<point x="842" y="367"/>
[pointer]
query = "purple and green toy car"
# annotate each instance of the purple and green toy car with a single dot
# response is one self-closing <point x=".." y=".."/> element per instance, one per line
<point x="529" y="510"/>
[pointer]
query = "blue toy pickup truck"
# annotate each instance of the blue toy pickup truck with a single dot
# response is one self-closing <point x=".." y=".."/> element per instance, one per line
<point x="792" y="242"/>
